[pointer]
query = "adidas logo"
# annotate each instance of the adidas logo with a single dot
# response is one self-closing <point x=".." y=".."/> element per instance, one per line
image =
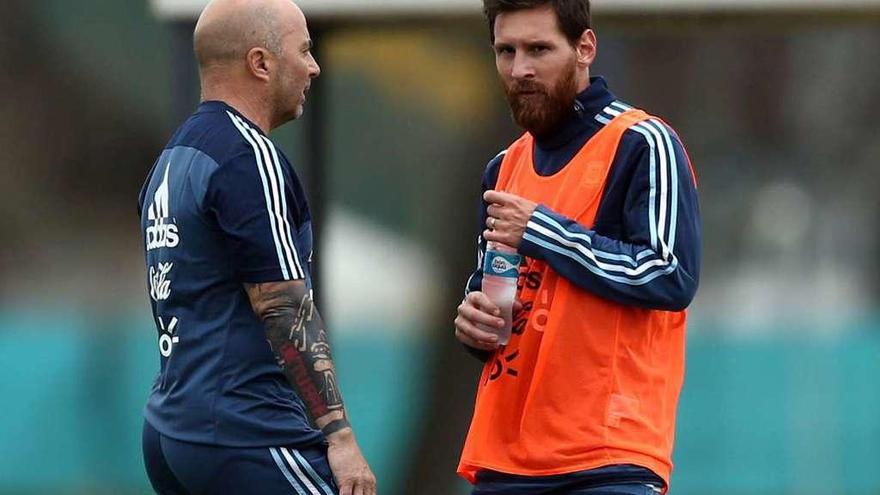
<point x="161" y="234"/>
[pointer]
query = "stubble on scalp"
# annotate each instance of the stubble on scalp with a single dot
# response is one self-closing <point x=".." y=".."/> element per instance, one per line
<point x="223" y="38"/>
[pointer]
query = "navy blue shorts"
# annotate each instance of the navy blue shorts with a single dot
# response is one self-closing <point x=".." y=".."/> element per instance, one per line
<point x="182" y="468"/>
<point x="610" y="480"/>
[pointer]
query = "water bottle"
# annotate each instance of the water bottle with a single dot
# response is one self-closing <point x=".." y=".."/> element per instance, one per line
<point x="500" y="273"/>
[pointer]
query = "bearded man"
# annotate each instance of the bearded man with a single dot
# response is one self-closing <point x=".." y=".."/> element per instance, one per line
<point x="600" y="200"/>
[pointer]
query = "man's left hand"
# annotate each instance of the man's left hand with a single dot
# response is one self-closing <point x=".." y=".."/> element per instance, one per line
<point x="508" y="216"/>
<point x="350" y="469"/>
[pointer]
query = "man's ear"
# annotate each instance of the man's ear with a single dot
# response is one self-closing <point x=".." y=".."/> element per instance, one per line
<point x="259" y="63"/>
<point x="586" y="48"/>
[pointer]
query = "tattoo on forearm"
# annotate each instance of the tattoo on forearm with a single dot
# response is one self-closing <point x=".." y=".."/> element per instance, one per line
<point x="296" y="334"/>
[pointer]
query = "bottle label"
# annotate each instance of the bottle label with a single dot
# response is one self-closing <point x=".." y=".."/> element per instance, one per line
<point x="501" y="264"/>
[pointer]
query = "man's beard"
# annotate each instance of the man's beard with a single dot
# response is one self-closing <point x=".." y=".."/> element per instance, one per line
<point x="540" y="110"/>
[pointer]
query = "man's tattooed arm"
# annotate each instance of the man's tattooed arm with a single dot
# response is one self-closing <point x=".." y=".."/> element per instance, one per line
<point x="299" y="341"/>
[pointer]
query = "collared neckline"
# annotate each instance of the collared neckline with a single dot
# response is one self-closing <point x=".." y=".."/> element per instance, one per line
<point x="222" y="106"/>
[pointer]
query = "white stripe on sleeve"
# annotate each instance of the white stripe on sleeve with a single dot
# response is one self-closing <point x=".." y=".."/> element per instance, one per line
<point x="662" y="154"/>
<point x="266" y="191"/>
<point x="286" y="232"/>
<point x="276" y="186"/>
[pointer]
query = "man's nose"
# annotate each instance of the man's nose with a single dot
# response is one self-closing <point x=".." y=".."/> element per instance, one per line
<point x="314" y="68"/>
<point x="523" y="68"/>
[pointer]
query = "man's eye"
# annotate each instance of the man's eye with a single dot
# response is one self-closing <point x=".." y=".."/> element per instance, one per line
<point x="504" y="50"/>
<point x="540" y="49"/>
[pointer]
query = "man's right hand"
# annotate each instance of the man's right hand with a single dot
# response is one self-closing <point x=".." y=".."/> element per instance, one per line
<point x="478" y="309"/>
<point x="350" y="469"/>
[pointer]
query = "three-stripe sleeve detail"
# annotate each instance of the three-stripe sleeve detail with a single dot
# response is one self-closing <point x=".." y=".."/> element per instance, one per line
<point x="663" y="193"/>
<point x="648" y="264"/>
<point x="272" y="179"/>
<point x="285" y="217"/>
<point x="545" y="231"/>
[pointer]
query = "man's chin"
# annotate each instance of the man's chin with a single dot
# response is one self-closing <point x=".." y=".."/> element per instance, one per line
<point x="536" y="126"/>
<point x="296" y="112"/>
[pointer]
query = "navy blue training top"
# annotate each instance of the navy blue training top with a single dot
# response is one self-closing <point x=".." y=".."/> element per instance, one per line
<point x="222" y="206"/>
<point x="644" y="247"/>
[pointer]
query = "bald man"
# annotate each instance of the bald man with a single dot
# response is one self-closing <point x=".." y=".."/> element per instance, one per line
<point x="246" y="399"/>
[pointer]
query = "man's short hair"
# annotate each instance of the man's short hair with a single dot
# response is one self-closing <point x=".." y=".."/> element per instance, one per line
<point x="573" y="15"/>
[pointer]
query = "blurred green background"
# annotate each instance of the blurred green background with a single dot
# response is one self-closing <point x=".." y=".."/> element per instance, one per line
<point x="777" y="108"/>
